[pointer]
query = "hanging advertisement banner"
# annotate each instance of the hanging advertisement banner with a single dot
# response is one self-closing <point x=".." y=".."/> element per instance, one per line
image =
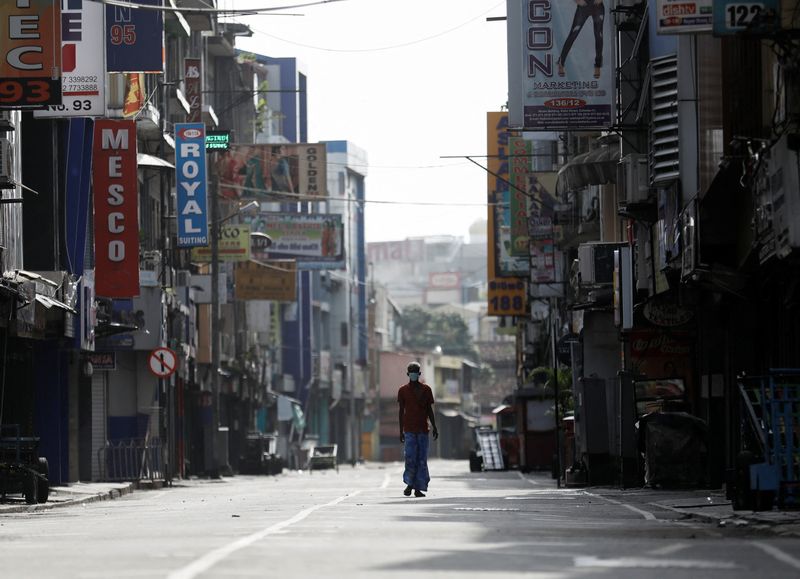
<point x="542" y="228"/>
<point x="560" y="65"/>
<point x="134" y="94"/>
<point x="191" y="184"/>
<point x="520" y="163"/>
<point x="134" y="38"/>
<point x="83" y="62"/>
<point x="316" y="241"/>
<point x="272" y="280"/>
<point x="192" y="80"/>
<point x="684" y="16"/>
<point x="30" y="53"/>
<point x="291" y="171"/>
<point x="116" y="209"/>
<point x="506" y="297"/>
<point x="234" y="245"/>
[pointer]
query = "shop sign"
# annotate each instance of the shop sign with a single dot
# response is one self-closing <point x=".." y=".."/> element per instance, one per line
<point x="116" y="209"/>
<point x="234" y="245"/>
<point x="666" y="314"/>
<point x="191" y="183"/>
<point x="684" y="16"/>
<point x="83" y="61"/>
<point x="102" y="360"/>
<point x="30" y="53"/>
<point x="274" y="280"/>
<point x="134" y="38"/>
<point x="192" y="80"/>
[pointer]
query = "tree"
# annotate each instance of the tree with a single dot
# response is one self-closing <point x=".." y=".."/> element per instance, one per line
<point x="424" y="330"/>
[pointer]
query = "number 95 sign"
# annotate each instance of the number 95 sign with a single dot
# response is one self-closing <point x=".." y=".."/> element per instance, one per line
<point x="742" y="16"/>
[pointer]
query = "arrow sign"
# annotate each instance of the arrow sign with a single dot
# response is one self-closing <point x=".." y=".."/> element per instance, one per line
<point x="162" y="362"/>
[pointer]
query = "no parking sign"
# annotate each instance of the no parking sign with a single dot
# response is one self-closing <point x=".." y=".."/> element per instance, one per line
<point x="162" y="362"/>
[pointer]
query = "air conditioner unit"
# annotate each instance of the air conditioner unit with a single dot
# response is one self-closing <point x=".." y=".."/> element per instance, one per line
<point x="634" y="179"/>
<point x="596" y="263"/>
<point x="8" y="121"/>
<point x="7" y="180"/>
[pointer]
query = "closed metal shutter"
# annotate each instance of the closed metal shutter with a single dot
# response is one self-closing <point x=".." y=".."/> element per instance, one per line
<point x="664" y="138"/>
<point x="99" y="420"/>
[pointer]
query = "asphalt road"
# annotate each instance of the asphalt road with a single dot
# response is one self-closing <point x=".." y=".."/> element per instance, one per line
<point x="357" y="523"/>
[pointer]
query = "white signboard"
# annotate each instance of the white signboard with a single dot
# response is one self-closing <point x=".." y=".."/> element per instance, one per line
<point x="83" y="61"/>
<point x="560" y="65"/>
<point x="682" y="16"/>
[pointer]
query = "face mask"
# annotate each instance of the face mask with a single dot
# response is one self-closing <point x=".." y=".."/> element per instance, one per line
<point x="413" y="376"/>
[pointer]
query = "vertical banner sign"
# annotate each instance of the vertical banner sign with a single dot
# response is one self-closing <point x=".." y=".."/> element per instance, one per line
<point x="521" y="150"/>
<point x="560" y="64"/>
<point x="194" y="92"/>
<point x="82" y="60"/>
<point x="30" y="53"/>
<point x="135" y="38"/>
<point x="116" y="208"/>
<point x="506" y="296"/>
<point x="541" y="227"/>
<point x="190" y="169"/>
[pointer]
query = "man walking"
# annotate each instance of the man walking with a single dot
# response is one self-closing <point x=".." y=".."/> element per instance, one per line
<point x="415" y="399"/>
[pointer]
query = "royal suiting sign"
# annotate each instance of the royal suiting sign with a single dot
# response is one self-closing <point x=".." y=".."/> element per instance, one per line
<point x="116" y="205"/>
<point x="190" y="169"/>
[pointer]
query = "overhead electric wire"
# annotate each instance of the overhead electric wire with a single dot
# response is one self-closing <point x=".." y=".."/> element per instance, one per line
<point x="280" y="196"/>
<point x="210" y="10"/>
<point x="380" y="48"/>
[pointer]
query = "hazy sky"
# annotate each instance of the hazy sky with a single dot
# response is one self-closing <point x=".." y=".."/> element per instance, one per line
<point x="409" y="82"/>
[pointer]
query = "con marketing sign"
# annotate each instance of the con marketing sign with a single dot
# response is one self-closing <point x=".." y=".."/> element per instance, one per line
<point x="116" y="207"/>
<point x="190" y="169"/>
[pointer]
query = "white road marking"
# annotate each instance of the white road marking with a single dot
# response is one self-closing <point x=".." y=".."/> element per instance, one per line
<point x="526" y="479"/>
<point x="211" y="558"/>
<point x="386" y="480"/>
<point x="777" y="554"/>
<point x="645" y="563"/>
<point x="646" y="514"/>
<point x="669" y="549"/>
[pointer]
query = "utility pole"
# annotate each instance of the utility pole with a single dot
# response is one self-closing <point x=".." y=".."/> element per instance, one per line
<point x="214" y="467"/>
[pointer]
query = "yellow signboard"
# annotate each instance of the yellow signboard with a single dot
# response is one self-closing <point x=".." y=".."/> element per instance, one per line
<point x="270" y="280"/>
<point x="506" y="295"/>
<point x="234" y="245"/>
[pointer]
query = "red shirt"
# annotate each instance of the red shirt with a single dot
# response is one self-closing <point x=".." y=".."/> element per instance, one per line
<point x="415" y="403"/>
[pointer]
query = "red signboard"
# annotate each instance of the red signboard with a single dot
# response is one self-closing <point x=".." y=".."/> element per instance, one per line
<point x="116" y="227"/>
<point x="30" y="53"/>
<point x="192" y="80"/>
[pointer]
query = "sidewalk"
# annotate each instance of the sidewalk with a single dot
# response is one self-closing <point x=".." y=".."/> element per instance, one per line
<point x="72" y="494"/>
<point x="708" y="505"/>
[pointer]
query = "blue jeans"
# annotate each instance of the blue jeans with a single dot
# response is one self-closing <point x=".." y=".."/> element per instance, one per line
<point x="416" y="474"/>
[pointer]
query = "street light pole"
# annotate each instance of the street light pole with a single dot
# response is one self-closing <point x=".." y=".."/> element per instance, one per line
<point x="215" y="333"/>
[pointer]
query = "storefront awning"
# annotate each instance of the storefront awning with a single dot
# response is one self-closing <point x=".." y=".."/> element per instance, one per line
<point x="49" y="302"/>
<point x="144" y="160"/>
<point x="597" y="167"/>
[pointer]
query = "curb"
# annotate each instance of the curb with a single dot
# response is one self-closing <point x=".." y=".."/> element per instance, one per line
<point x="104" y="496"/>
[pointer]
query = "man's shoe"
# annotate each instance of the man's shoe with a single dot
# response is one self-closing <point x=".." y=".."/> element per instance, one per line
<point x="418" y="494"/>
<point x="408" y="490"/>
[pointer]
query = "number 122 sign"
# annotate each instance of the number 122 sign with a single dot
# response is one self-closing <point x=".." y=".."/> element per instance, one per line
<point x="743" y="16"/>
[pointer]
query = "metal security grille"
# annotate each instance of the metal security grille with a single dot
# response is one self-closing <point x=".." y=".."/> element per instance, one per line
<point x="664" y="137"/>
